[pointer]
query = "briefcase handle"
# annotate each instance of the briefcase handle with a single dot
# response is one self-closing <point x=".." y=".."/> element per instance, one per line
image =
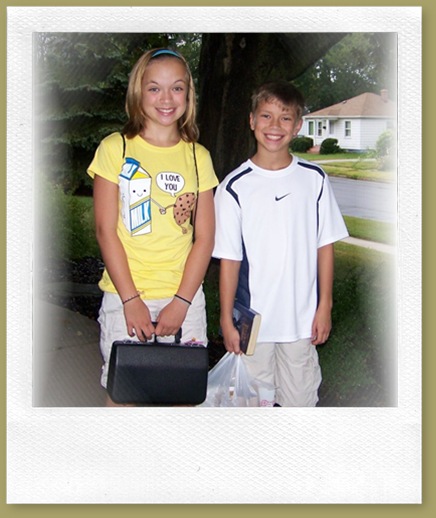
<point x="177" y="337"/>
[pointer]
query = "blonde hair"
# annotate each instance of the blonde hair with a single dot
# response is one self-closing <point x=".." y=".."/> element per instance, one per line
<point x="136" y="116"/>
<point x="283" y="91"/>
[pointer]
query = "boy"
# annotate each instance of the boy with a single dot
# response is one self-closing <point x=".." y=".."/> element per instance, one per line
<point x="277" y="220"/>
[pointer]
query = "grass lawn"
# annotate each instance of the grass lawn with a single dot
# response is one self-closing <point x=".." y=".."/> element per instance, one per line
<point x="371" y="230"/>
<point x="337" y="156"/>
<point x="359" y="360"/>
<point x="359" y="166"/>
<point x="357" y="171"/>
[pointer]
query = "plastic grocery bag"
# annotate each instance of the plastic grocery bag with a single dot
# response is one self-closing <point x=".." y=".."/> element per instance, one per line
<point x="265" y="392"/>
<point x="229" y="384"/>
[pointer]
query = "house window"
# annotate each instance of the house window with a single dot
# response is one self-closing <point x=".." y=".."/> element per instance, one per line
<point x="311" y="128"/>
<point x="348" y="128"/>
<point x="319" y="129"/>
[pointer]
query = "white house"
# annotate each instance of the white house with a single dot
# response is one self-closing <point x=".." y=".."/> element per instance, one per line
<point x="356" y="123"/>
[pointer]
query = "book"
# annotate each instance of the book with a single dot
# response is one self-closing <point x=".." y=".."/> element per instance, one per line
<point x="247" y="322"/>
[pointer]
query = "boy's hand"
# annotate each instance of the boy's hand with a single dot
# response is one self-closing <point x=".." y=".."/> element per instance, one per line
<point x="231" y="338"/>
<point x="322" y="325"/>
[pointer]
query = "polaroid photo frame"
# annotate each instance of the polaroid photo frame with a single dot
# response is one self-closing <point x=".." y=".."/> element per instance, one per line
<point x="176" y="455"/>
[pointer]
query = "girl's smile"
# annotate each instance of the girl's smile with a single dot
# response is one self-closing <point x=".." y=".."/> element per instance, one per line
<point x="164" y="93"/>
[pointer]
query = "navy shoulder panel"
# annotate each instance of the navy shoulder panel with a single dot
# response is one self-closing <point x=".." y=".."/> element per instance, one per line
<point x="317" y="169"/>
<point x="313" y="167"/>
<point x="230" y="184"/>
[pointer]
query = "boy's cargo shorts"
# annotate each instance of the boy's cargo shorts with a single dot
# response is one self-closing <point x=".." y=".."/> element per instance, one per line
<point x="293" y="368"/>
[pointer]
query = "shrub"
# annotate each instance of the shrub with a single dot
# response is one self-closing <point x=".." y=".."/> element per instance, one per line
<point x="301" y="144"/>
<point x="385" y="151"/>
<point x="66" y="224"/>
<point x="329" y="146"/>
<point x="385" y="143"/>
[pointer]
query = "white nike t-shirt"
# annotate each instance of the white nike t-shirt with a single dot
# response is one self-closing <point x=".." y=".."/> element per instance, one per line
<point x="274" y="222"/>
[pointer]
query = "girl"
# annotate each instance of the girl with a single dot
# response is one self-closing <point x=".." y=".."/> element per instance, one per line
<point x="154" y="213"/>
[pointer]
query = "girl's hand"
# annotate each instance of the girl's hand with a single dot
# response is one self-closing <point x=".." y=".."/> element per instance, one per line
<point x="138" y="319"/>
<point x="171" y="318"/>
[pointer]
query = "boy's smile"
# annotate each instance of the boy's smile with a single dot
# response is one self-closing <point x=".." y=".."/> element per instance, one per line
<point x="274" y="126"/>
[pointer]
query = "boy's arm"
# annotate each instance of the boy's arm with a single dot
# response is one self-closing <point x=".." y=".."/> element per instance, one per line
<point x="229" y="275"/>
<point x="322" y="322"/>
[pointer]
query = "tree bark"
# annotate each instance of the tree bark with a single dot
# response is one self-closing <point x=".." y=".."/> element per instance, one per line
<point x="231" y="66"/>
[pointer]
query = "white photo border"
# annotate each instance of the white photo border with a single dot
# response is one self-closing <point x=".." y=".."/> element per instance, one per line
<point x="183" y="455"/>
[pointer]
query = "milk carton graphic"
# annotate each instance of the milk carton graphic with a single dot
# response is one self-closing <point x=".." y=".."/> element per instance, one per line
<point x="135" y="194"/>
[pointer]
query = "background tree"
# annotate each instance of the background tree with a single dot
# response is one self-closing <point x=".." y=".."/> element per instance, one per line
<point x="359" y="63"/>
<point x="80" y="93"/>
<point x="231" y="66"/>
<point x="82" y="80"/>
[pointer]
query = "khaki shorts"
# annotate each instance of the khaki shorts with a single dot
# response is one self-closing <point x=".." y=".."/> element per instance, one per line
<point x="113" y="324"/>
<point x="293" y="368"/>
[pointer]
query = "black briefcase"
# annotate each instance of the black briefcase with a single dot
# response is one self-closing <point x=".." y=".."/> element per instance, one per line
<point x="158" y="373"/>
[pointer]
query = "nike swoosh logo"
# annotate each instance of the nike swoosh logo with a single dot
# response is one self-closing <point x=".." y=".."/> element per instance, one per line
<point x="278" y="198"/>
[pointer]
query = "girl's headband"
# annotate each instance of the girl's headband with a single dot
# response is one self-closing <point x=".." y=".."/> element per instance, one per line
<point x="165" y="51"/>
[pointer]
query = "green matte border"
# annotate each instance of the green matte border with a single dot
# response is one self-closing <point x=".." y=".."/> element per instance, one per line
<point x="214" y="511"/>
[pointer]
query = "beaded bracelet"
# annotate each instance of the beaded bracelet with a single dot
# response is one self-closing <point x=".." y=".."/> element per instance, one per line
<point x="184" y="300"/>
<point x="131" y="298"/>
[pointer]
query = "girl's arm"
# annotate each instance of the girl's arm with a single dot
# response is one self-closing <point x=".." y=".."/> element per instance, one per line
<point x="172" y="316"/>
<point x="137" y="316"/>
<point x="322" y="322"/>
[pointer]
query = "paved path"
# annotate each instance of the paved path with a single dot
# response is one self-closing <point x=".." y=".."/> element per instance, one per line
<point x="67" y="373"/>
<point x="373" y="245"/>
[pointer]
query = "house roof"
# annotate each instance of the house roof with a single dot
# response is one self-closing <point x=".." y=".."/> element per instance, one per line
<point x="364" y="105"/>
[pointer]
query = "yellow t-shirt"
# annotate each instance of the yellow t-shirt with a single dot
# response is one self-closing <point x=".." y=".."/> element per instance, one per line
<point x="158" y="189"/>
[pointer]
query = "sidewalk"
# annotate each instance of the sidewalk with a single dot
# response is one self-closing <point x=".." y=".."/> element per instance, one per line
<point x="373" y="245"/>
<point x="67" y="373"/>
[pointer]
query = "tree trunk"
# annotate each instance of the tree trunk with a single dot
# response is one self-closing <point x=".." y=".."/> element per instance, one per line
<point x="231" y="66"/>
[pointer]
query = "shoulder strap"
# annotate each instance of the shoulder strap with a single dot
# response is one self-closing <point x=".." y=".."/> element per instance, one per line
<point x="195" y="164"/>
<point x="124" y="144"/>
<point x="194" y="215"/>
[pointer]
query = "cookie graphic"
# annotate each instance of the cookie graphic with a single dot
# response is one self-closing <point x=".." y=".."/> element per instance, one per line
<point x="183" y="207"/>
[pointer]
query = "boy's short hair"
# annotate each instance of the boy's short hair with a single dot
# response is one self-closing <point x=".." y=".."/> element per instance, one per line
<point x="283" y="91"/>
